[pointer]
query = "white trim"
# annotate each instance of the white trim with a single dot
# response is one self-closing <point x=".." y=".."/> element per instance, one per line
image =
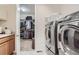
<point x="17" y="40"/>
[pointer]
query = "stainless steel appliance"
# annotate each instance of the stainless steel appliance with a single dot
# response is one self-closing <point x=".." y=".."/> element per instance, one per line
<point x="51" y="43"/>
<point x="51" y="34"/>
<point x="68" y="35"/>
<point x="62" y="36"/>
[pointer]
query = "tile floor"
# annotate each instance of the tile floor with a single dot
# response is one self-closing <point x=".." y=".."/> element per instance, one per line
<point x="26" y="45"/>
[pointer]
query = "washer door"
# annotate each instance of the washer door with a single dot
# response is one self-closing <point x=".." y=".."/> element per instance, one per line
<point x="70" y="40"/>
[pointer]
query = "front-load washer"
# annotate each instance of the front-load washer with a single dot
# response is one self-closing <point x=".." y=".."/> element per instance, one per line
<point x="51" y="43"/>
<point x="54" y="35"/>
<point x="68" y="35"/>
<point x="69" y="39"/>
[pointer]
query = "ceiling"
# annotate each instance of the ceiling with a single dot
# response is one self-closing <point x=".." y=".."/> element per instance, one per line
<point x="27" y="8"/>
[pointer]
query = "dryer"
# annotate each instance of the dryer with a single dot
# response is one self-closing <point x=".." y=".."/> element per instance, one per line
<point x="51" y="43"/>
<point x="51" y="33"/>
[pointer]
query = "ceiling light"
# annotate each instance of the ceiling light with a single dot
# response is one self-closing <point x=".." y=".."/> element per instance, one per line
<point x="23" y="9"/>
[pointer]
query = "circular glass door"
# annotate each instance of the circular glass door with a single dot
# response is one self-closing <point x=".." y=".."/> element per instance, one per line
<point x="76" y="41"/>
<point x="70" y="40"/>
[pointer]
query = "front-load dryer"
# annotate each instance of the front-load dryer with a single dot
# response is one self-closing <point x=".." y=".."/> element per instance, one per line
<point x="51" y="43"/>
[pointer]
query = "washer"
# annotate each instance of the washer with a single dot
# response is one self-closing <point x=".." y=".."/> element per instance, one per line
<point x="62" y="36"/>
<point x="68" y="35"/>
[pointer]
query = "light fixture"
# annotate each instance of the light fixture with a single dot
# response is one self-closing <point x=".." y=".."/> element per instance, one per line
<point x="24" y="9"/>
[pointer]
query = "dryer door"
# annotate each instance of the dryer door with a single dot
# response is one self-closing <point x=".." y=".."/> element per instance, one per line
<point x="70" y="39"/>
<point x="50" y="40"/>
<point x="48" y="35"/>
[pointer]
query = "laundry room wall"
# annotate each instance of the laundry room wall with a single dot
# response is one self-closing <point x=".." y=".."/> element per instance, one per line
<point x="42" y="11"/>
<point x="69" y="8"/>
<point x="11" y="17"/>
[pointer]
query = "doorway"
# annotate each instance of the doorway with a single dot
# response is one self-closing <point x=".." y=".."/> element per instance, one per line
<point x="27" y="27"/>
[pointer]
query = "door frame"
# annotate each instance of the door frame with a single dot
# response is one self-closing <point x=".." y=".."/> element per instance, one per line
<point x="17" y="40"/>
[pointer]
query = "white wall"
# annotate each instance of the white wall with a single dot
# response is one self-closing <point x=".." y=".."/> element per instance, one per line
<point x="11" y="18"/>
<point x="41" y="11"/>
<point x="69" y="8"/>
